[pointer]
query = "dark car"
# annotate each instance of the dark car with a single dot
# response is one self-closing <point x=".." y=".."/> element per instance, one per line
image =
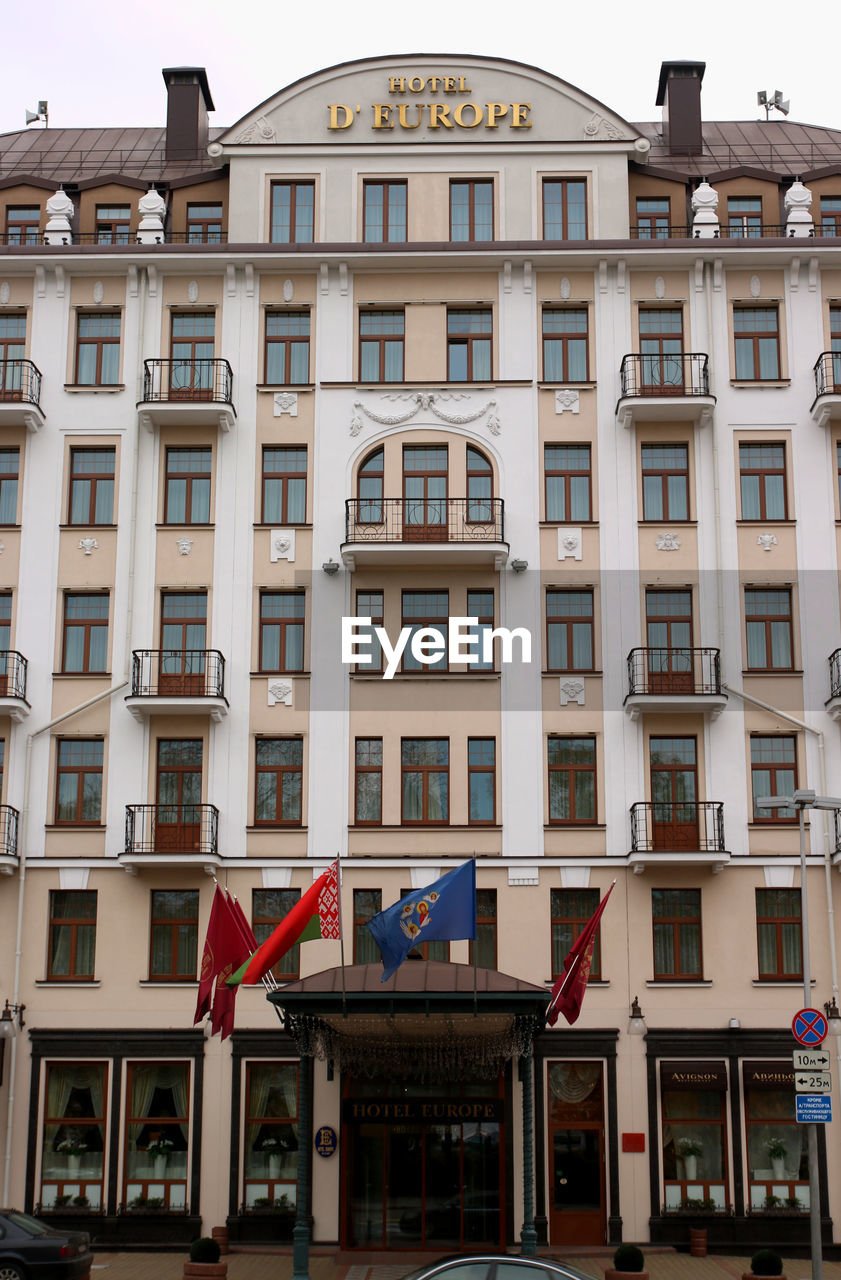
<point x="30" y="1250"/>
<point x="496" y="1266"/>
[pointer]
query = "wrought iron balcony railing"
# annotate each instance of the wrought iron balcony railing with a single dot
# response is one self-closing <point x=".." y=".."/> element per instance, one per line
<point x="835" y="674"/>
<point x="179" y="673"/>
<point x="684" y="373"/>
<point x="171" y="828"/>
<point x="20" y="381"/>
<point x="111" y="238"/>
<point x="836" y="813"/>
<point x="828" y="373"/>
<point x="424" y="520"/>
<point x="12" y="674"/>
<point x="201" y="380"/>
<point x="674" y="671"/>
<point x="733" y="231"/>
<point x="687" y="827"/>
<point x="8" y="831"/>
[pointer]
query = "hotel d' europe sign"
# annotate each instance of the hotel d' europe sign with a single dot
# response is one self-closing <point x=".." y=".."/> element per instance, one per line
<point x="449" y="107"/>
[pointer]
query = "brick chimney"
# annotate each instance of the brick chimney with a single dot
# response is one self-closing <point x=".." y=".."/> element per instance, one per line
<point x="679" y="94"/>
<point x="188" y="102"/>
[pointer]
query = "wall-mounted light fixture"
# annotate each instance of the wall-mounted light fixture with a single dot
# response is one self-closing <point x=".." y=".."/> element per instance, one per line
<point x="519" y="566"/>
<point x="734" y="1024"/>
<point x="7" y="1020"/>
<point x="636" y="1022"/>
<point x="330" y="567"/>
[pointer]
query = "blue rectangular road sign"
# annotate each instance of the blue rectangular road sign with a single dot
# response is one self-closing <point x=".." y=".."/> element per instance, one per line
<point x="813" y="1108"/>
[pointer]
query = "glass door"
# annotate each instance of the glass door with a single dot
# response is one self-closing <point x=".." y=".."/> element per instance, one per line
<point x="425" y="493"/>
<point x="674" y="793"/>
<point x="577" y="1213"/>
<point x="668" y="621"/>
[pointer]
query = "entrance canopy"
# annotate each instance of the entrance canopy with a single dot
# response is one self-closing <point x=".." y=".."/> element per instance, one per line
<point x="428" y="1021"/>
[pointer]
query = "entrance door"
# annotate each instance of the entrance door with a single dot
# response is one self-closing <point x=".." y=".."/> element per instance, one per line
<point x="425" y="493"/>
<point x="577" y="1212"/>
<point x="183" y="639"/>
<point x="668" y="621"/>
<point x="178" y="826"/>
<point x="674" y="793"/>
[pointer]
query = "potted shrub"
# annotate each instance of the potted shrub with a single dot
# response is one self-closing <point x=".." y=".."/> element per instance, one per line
<point x="767" y="1262"/>
<point x="777" y="1154"/>
<point x="628" y="1260"/>
<point x="81" y="1202"/>
<point x="689" y="1149"/>
<point x="204" y="1260"/>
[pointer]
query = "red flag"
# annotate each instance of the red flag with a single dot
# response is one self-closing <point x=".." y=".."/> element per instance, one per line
<point x="568" y="991"/>
<point x="210" y="962"/>
<point x="224" y="949"/>
<point x="315" y="916"/>
<point x="242" y="920"/>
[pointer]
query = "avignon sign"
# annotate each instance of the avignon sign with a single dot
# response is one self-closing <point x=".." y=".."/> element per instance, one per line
<point x="450" y="107"/>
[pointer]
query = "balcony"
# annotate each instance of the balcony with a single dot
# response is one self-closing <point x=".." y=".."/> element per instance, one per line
<point x="13" y="685"/>
<point x="8" y="839"/>
<point x="177" y="682"/>
<point x="665" y="388"/>
<point x="171" y="835"/>
<point x="677" y="834"/>
<point x="187" y="393"/>
<point x="400" y="531"/>
<point x="833" y="702"/>
<point x="674" y="680"/>
<point x="826" y="406"/>
<point x="20" y="395"/>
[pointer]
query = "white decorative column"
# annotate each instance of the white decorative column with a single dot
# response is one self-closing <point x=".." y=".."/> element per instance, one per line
<point x="705" y="224"/>
<point x="60" y="210"/>
<point x="798" y="203"/>
<point x="152" y="210"/>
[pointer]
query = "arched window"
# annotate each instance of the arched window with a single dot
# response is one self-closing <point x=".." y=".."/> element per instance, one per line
<point x="370" y="489"/>
<point x="479" y="486"/>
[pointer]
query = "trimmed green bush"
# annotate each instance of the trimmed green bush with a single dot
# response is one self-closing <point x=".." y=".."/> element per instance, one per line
<point x="204" y="1250"/>
<point x="628" y="1258"/>
<point x="767" y="1262"/>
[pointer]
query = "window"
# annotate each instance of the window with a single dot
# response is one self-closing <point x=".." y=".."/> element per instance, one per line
<point x="367" y="903"/>
<point x="480" y="605"/>
<point x="381" y="346"/>
<point x="113" y="223"/>
<point x="571" y="911"/>
<point x="384" y="213"/>
<point x="98" y="349"/>
<point x="9" y="474"/>
<point x="757" y="338"/>
<point x="676" y="914"/>
<point x="285" y="485"/>
<point x="369" y="489"/>
<point x="188" y="486"/>
<point x="674" y="792"/>
<point x="73" y="1139"/>
<point x="665" y="481"/>
<point x="174" y="935"/>
<point x="668" y="638"/>
<point x="480" y="487"/>
<point x="762" y="477"/>
<point x="834" y="345"/>
<point x="564" y="209"/>
<point x="425" y="764"/>
<point x="661" y="348"/>
<point x="287" y="348"/>
<point x="23" y="223"/>
<point x="72" y="934"/>
<point x="426" y="610"/>
<point x="481" y="780"/>
<point x="773" y="770"/>
<point x="653" y="217"/>
<point x="91" y="486"/>
<point x="192" y="350"/>
<point x="79" y="781"/>
<point x="564" y="344"/>
<point x="572" y="780"/>
<point x="771" y="1124"/>
<point x="293" y="212"/>
<point x="369" y="781"/>
<point x="282" y="616"/>
<point x="425" y="508"/>
<point x="469" y="345"/>
<point x="157" y="1113"/>
<point x="471" y="210"/>
<point x="178" y="814"/>
<point x="779" y="934"/>
<point x="369" y="604"/>
<point x="694" y="1113"/>
<point x="768" y="629"/>
<point x="12" y="351"/>
<point x="204" y="223"/>
<point x="85" y="633"/>
<point x="483" y="950"/>
<point x="5" y="621"/>
<point x="268" y="908"/>
<point x="569" y="630"/>
<point x="279" y="781"/>
<point x="831" y="215"/>
<point x="271" y="1133"/>
<point x="744" y="217"/>
<point x="183" y="643"/>
<point x="568" y="480"/>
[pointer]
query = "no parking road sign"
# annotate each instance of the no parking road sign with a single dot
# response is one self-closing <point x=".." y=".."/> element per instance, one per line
<point x="809" y="1027"/>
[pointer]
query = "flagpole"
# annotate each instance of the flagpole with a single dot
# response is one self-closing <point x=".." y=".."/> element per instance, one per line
<point x="341" y="933"/>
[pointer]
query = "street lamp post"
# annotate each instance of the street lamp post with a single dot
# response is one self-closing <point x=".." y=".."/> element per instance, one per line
<point x="801" y="801"/>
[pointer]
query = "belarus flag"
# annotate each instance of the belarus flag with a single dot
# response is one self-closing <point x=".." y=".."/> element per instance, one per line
<point x="315" y="916"/>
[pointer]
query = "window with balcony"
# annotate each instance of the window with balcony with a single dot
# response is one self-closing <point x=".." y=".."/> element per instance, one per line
<point x="480" y="487"/>
<point x="271" y="1134"/>
<point x="471" y="209"/>
<point x="85" y="633"/>
<point x="72" y="935"/>
<point x="192" y="348"/>
<point x="744" y="217"/>
<point x="369" y="489"/>
<point x="98" y="349"/>
<point x="768" y="629"/>
<point x="483" y="949"/>
<point x="285" y="485"/>
<point x="79" y="781"/>
<point x="569" y="630"/>
<point x="204" y="223"/>
<point x="668" y="637"/>
<point x="293" y="212"/>
<point x="571" y="910"/>
<point x="369" y="782"/>
<point x="157" y="1132"/>
<point x="367" y="903"/>
<point x="282" y="616"/>
<point x="565" y="344"/>
<point x="279" y="782"/>
<point x="773" y="772"/>
<point x="9" y="476"/>
<point x="384" y="214"/>
<point x="665" y="481"/>
<point x="187" y="497"/>
<point x="779" y="934"/>
<point x="73" y="1134"/>
<point x="91" y="486"/>
<point x="178" y="817"/>
<point x="831" y="215"/>
<point x="568" y="479"/>
<point x="661" y="350"/>
<point x="676" y="918"/>
<point x="572" y="780"/>
<point x="113" y="223"/>
<point x="369" y="604"/>
<point x="269" y="908"/>
<point x="12" y="351"/>
<point x="674" y="793"/>
<point x="425" y="483"/>
<point x="287" y="348"/>
<point x="564" y="209"/>
<point x="425" y="765"/>
<point x="757" y="343"/>
<point x="183" y="643"/>
<point x="23" y="223"/>
<point x="762" y="481"/>
<point x="381" y="335"/>
<point x="481" y="781"/>
<point x="5" y="621"/>
<point x="426" y="610"/>
<point x="653" y="217"/>
<point x="469" y="345"/>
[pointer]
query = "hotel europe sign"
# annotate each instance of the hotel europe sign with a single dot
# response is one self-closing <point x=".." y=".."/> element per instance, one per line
<point x="430" y="102"/>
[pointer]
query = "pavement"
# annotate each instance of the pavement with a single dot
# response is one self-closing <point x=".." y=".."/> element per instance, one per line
<point x="662" y="1264"/>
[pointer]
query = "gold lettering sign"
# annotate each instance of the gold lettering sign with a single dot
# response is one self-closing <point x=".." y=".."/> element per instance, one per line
<point x="434" y="115"/>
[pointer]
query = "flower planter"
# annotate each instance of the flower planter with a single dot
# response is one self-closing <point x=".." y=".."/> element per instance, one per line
<point x="210" y="1270"/>
<point x="220" y="1235"/>
<point x="778" y="1169"/>
<point x="159" y="1165"/>
<point x="748" y="1275"/>
<point x="698" y="1242"/>
<point x="690" y="1167"/>
<point x="74" y="1164"/>
<point x="610" y="1274"/>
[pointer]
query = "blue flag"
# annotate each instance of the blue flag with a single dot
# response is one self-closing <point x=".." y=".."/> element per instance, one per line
<point x="443" y="911"/>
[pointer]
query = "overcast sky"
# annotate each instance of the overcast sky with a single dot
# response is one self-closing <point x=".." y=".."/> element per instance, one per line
<point x="100" y="64"/>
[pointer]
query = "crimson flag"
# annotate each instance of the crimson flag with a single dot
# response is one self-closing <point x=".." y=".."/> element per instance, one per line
<point x="210" y="964"/>
<point x="568" y="991"/>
